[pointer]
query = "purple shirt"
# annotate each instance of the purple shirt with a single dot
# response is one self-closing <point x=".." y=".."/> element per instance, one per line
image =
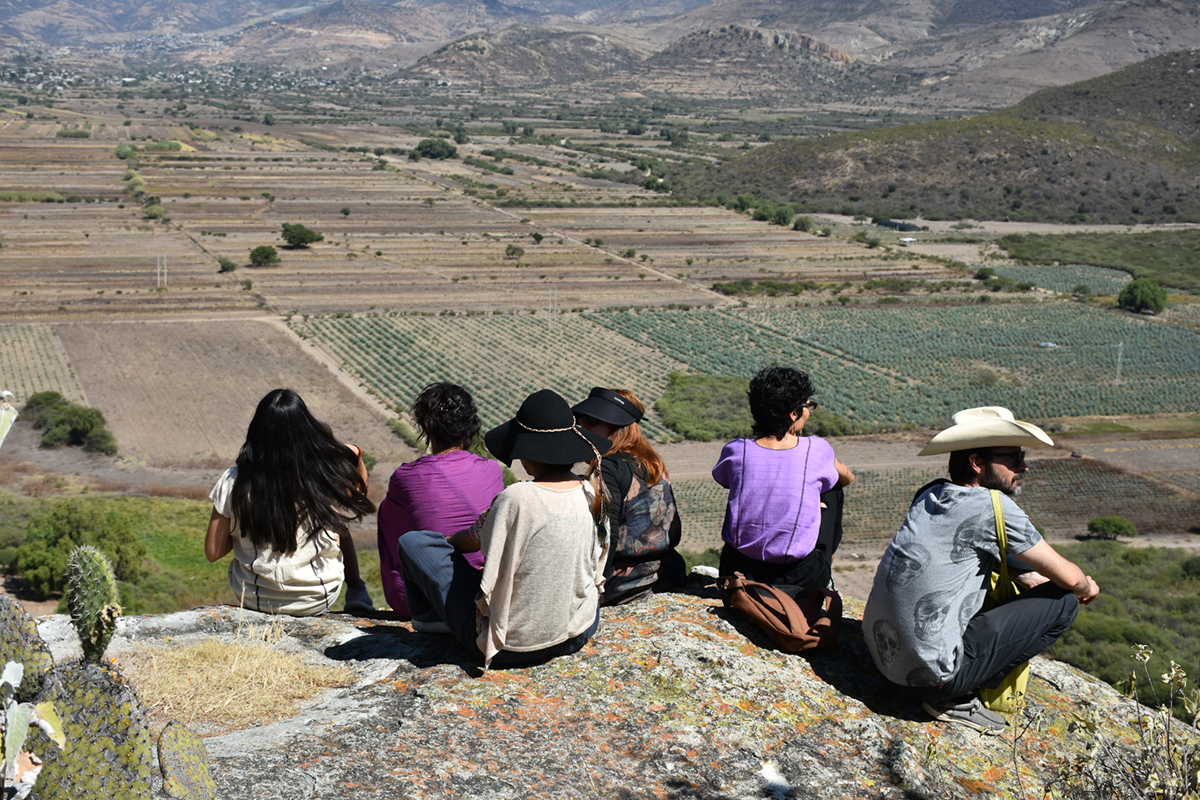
<point x="443" y="492"/>
<point x="774" y="511"/>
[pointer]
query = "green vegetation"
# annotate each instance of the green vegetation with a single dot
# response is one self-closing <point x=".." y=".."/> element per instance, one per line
<point x="514" y="251"/>
<point x="226" y="264"/>
<point x="298" y="236"/>
<point x="705" y="407"/>
<point x="68" y="423"/>
<point x="1150" y="596"/>
<point x="433" y="148"/>
<point x="53" y="535"/>
<point x="1142" y="294"/>
<point x="263" y="256"/>
<point x="73" y="134"/>
<point x="28" y="196"/>
<point x="1111" y="528"/>
<point x="1171" y="258"/>
<point x="163" y="146"/>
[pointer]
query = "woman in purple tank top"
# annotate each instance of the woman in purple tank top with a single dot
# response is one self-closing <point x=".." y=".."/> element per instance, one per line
<point x="783" y="522"/>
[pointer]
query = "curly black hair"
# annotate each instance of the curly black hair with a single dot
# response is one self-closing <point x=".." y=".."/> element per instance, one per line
<point x="775" y="392"/>
<point x="446" y="412"/>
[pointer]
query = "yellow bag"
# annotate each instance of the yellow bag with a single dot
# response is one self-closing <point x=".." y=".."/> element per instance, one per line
<point x="1007" y="697"/>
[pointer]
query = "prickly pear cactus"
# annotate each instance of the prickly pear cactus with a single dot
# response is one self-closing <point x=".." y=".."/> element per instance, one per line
<point x="183" y="760"/>
<point x="20" y="642"/>
<point x="93" y="599"/>
<point x="109" y="752"/>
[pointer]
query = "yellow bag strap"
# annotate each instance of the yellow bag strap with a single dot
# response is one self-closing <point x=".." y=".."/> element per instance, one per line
<point x="1001" y="535"/>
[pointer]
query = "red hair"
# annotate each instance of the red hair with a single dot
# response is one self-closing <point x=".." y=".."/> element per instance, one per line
<point x="630" y="439"/>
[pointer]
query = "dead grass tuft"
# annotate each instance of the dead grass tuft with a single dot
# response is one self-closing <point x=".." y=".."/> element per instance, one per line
<point x="216" y="686"/>
<point x="109" y="485"/>
<point x="184" y="492"/>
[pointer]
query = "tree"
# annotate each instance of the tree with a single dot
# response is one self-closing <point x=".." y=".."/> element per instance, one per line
<point x="1143" y="294"/>
<point x="537" y="237"/>
<point x="434" y="148"/>
<point x="52" y="535"/>
<point x="514" y="251"/>
<point x="345" y="211"/>
<point x="226" y="264"/>
<point x="264" y="256"/>
<point x="1111" y="527"/>
<point x="296" y="235"/>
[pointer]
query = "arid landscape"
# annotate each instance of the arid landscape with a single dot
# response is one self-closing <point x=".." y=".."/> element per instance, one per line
<point x="526" y="197"/>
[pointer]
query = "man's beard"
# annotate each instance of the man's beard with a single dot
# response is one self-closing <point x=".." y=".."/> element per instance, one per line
<point x="994" y="480"/>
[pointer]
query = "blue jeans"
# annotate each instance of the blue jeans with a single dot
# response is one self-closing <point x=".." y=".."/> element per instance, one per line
<point x="443" y="585"/>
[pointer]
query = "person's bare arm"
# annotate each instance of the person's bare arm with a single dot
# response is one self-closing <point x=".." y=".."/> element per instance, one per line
<point x="467" y="540"/>
<point x="845" y="474"/>
<point x="218" y="543"/>
<point x="1064" y="573"/>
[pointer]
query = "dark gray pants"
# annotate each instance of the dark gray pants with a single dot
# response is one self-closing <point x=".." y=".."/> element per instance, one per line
<point x="443" y="585"/>
<point x="999" y="640"/>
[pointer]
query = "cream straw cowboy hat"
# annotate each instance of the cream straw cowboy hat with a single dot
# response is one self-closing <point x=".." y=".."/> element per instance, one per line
<point x="990" y="426"/>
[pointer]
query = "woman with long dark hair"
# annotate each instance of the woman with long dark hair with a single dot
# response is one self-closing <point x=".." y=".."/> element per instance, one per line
<point x="643" y="518"/>
<point x="283" y="513"/>
<point x="444" y="491"/>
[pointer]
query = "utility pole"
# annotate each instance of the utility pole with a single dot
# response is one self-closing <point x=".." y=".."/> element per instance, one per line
<point x="161" y="271"/>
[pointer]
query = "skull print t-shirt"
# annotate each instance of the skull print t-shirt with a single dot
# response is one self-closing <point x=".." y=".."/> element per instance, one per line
<point x="932" y="581"/>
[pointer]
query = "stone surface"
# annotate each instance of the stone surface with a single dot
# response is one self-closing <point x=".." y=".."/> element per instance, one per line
<point x="673" y="698"/>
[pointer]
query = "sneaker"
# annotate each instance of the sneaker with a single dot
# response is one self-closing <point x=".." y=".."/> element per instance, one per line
<point x="430" y="626"/>
<point x="968" y="711"/>
<point x="358" y="600"/>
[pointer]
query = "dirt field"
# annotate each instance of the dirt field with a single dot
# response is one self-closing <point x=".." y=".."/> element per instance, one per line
<point x="180" y="394"/>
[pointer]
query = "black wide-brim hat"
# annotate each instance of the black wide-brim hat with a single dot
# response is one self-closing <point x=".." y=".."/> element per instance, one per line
<point x="544" y="430"/>
<point x="609" y="406"/>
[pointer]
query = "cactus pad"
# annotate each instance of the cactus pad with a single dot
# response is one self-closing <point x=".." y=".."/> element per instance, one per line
<point x="20" y="642"/>
<point x="184" y="763"/>
<point x="108" y="744"/>
<point x="93" y="599"/>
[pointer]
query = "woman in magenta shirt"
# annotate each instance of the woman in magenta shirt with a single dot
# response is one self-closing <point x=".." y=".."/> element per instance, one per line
<point x="444" y="491"/>
<point x="783" y="521"/>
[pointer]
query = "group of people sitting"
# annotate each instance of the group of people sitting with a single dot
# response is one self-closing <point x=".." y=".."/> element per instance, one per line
<point x="517" y="574"/>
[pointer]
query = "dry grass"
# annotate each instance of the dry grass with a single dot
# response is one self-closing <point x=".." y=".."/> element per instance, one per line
<point x="216" y="686"/>
<point x="184" y="492"/>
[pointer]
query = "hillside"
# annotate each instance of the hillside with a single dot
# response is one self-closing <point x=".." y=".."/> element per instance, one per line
<point x="739" y="61"/>
<point x="1106" y="150"/>
<point x="523" y="55"/>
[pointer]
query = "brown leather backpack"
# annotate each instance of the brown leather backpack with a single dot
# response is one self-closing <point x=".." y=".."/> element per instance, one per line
<point x="794" y="618"/>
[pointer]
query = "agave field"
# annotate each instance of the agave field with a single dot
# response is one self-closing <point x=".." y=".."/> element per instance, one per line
<point x="1066" y="279"/>
<point x="32" y="360"/>
<point x="499" y="358"/>
<point x="920" y="364"/>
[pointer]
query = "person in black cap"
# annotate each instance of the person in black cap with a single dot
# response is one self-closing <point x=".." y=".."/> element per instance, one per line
<point x="544" y="546"/>
<point x="644" y="519"/>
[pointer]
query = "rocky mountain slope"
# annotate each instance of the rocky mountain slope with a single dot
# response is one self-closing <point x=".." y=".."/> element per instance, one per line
<point x="1121" y="148"/>
<point x="673" y="698"/>
<point x="936" y="54"/>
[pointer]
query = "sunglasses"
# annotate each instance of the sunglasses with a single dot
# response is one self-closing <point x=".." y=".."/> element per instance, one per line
<point x="1017" y="457"/>
<point x="809" y="404"/>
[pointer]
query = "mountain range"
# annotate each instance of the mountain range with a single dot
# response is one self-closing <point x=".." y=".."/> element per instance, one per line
<point x="960" y="54"/>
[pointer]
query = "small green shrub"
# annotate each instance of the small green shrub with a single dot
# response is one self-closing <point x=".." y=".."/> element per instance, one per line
<point x="1111" y="528"/>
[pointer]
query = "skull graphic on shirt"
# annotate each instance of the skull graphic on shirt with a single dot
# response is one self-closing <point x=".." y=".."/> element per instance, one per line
<point x="887" y="640"/>
<point x="929" y="616"/>
<point x="905" y="565"/>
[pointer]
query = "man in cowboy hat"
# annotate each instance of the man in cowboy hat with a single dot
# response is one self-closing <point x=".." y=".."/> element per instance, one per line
<point x="923" y="621"/>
